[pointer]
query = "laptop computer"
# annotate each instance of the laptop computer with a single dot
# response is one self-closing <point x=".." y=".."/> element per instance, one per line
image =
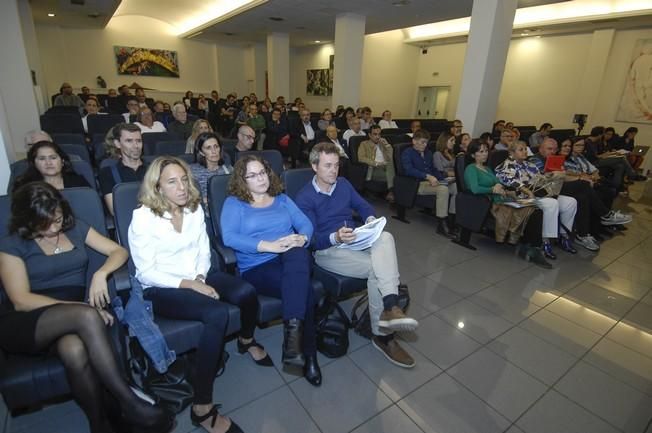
<point x="640" y="150"/>
<point x="554" y="163"/>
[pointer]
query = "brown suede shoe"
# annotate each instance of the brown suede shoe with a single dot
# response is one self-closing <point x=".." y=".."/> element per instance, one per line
<point x="396" y="320"/>
<point x="393" y="352"/>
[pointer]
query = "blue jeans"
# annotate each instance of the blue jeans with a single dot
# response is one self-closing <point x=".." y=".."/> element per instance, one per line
<point x="287" y="277"/>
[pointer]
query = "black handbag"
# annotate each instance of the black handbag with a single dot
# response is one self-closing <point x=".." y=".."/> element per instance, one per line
<point x="171" y="390"/>
<point x="332" y="328"/>
<point x="360" y="320"/>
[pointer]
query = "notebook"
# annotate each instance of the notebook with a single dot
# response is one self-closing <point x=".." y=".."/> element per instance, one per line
<point x="554" y="163"/>
<point x="640" y="150"/>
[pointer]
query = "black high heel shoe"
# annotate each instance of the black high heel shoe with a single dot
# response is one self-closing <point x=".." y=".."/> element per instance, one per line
<point x="213" y="413"/>
<point x="244" y="348"/>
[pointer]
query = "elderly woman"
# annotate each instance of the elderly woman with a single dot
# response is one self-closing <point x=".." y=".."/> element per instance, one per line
<point x="145" y="121"/>
<point x="270" y="236"/>
<point x="200" y="126"/>
<point x="171" y="252"/>
<point x="517" y="173"/>
<point x="43" y="265"/>
<point x="386" y="122"/>
<point x="511" y="223"/>
<point x="47" y="162"/>
<point x="209" y="161"/>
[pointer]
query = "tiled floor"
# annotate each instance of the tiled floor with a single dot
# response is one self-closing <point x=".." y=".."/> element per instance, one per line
<point x="502" y="347"/>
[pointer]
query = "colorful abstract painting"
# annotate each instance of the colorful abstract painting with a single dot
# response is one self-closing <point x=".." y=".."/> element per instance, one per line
<point x="318" y="82"/>
<point x="146" y="62"/>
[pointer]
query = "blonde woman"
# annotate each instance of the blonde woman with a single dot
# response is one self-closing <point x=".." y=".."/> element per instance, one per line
<point x="199" y="127"/>
<point x="171" y="252"/>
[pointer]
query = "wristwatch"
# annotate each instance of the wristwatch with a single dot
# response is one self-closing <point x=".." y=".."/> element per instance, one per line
<point x="201" y="278"/>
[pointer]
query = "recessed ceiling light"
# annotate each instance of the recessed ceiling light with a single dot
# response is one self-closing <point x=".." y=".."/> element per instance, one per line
<point x="525" y="34"/>
<point x="317" y="42"/>
<point x="51" y="15"/>
<point x="277" y="19"/>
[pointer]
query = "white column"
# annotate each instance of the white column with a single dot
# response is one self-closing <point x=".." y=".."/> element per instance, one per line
<point x="20" y="113"/>
<point x="349" y="44"/>
<point x="278" y="65"/>
<point x="484" y="65"/>
<point x="33" y="54"/>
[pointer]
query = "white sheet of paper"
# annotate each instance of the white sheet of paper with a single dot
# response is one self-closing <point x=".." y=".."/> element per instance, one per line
<point x="366" y="235"/>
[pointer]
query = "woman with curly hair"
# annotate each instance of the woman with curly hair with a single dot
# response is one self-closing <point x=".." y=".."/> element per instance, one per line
<point x="270" y="236"/>
<point x="171" y="252"/>
<point x="48" y="163"/>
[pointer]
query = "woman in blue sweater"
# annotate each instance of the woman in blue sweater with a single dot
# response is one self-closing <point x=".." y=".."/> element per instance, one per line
<point x="270" y="235"/>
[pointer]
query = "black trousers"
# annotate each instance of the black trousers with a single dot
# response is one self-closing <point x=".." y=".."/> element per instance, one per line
<point x="590" y="206"/>
<point x="532" y="232"/>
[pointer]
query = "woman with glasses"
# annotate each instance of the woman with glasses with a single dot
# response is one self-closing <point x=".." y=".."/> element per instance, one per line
<point x="270" y="236"/>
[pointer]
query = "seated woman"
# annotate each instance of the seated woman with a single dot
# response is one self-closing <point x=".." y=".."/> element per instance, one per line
<point x="170" y="249"/>
<point x="517" y="173"/>
<point x="594" y="195"/>
<point x="326" y="120"/>
<point x="47" y="162"/>
<point x="627" y="142"/>
<point x="209" y="161"/>
<point x="270" y="236"/>
<point x="462" y="142"/>
<point x="511" y="223"/>
<point x="444" y="157"/>
<point x="43" y="265"/>
<point x="200" y="126"/>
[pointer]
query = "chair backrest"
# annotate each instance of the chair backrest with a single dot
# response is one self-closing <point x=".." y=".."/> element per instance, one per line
<point x="218" y="191"/>
<point x="101" y="123"/>
<point x="151" y="138"/>
<point x="295" y="179"/>
<point x="187" y="157"/>
<point x="274" y="158"/>
<point x="228" y="147"/>
<point x="561" y="134"/>
<point x="62" y="122"/>
<point x="84" y="169"/>
<point x="496" y="157"/>
<point x="172" y="147"/>
<point x="16" y="169"/>
<point x="125" y="200"/>
<point x="63" y="109"/>
<point x="79" y="150"/>
<point x="354" y="144"/>
<point x="65" y="138"/>
<point x="460" y="166"/>
<point x="398" y="150"/>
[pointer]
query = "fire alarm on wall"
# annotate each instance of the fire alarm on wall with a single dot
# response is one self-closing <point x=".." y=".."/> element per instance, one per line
<point x="435" y="74"/>
<point x="424" y="50"/>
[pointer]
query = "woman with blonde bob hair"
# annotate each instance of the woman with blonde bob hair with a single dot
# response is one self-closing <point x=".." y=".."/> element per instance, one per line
<point x="171" y="252"/>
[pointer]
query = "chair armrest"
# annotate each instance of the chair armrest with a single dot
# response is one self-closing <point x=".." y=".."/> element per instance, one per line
<point x="405" y="190"/>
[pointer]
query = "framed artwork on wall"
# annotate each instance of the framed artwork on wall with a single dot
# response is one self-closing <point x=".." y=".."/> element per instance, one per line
<point x="318" y="82"/>
<point x="636" y="100"/>
<point x="146" y="62"/>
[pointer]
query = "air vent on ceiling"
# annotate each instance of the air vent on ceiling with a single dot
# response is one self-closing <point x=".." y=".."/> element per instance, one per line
<point x="277" y="19"/>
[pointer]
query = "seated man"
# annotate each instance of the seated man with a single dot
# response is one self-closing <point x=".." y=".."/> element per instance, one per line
<point x="386" y="122"/>
<point x="378" y="154"/>
<point x="302" y="137"/>
<point x="145" y="121"/>
<point x="246" y="137"/>
<point x="132" y="110"/>
<point x="67" y="98"/>
<point x="354" y="129"/>
<point x="506" y="138"/>
<point x="128" y="144"/>
<point x="415" y="125"/>
<point x="417" y="162"/>
<point x="329" y="202"/>
<point x="180" y="125"/>
<point x="34" y="136"/>
<point x="537" y="138"/>
<point x="366" y="121"/>
<point x="91" y="107"/>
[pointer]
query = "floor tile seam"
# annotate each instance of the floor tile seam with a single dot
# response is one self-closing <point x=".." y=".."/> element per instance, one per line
<point x="408" y="415"/>
<point x="539" y="308"/>
<point x="379" y="413"/>
<point x="372" y="381"/>
<point x="248" y="402"/>
<point x="305" y="409"/>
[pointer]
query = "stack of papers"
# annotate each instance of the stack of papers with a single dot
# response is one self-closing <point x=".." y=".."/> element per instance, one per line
<point x="366" y="235"/>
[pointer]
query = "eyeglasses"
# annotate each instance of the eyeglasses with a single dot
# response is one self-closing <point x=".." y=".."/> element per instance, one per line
<point x="259" y="175"/>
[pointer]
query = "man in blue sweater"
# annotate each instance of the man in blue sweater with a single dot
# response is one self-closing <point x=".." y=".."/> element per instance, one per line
<point x="417" y="162"/>
<point x="329" y="202"/>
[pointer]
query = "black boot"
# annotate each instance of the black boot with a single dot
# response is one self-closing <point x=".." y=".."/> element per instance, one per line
<point x="311" y="370"/>
<point x="442" y="228"/>
<point x="451" y="224"/>
<point x="292" y="347"/>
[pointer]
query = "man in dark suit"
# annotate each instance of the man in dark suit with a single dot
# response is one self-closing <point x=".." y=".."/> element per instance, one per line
<point x="302" y="137"/>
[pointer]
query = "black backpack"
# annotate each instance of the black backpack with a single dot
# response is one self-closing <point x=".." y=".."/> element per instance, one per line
<point x="332" y="328"/>
<point x="360" y="320"/>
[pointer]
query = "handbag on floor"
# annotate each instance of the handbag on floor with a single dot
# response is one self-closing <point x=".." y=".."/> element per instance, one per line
<point x="360" y="320"/>
<point x="332" y="328"/>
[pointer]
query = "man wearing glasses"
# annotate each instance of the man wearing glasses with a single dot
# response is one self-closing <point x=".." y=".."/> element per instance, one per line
<point x="246" y="137"/>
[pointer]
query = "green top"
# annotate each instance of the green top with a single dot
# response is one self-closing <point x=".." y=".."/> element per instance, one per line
<point x="256" y="123"/>
<point x="482" y="182"/>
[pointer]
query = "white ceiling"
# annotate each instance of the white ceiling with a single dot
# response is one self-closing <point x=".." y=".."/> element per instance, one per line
<point x="305" y="20"/>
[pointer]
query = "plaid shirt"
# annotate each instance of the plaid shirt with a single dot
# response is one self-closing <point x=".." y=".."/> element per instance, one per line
<point x="579" y="164"/>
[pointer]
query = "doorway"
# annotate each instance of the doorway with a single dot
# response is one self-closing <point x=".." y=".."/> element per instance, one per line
<point x="432" y="102"/>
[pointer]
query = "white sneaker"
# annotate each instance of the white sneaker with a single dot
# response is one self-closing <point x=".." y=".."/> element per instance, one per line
<point x="615" y="218"/>
<point x="587" y="242"/>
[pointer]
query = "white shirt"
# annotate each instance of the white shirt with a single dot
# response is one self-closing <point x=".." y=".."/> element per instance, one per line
<point x="310" y="133"/>
<point x="379" y="154"/>
<point x="156" y="127"/>
<point x="366" y="125"/>
<point x="350" y="133"/>
<point x="85" y="122"/>
<point x="162" y="256"/>
<point x="126" y="115"/>
<point x="386" y="124"/>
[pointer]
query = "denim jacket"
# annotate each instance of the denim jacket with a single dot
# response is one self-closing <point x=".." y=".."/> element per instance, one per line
<point x="139" y="318"/>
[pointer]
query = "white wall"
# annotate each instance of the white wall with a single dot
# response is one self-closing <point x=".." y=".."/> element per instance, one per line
<point x="80" y="55"/>
<point x="230" y="69"/>
<point x="301" y="59"/>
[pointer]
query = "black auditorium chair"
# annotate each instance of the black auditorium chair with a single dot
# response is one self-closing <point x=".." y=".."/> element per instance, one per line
<point x="497" y="157"/>
<point x="472" y="211"/>
<point x="171" y="147"/>
<point x="151" y="138"/>
<point x="270" y="308"/>
<point x="337" y="286"/>
<point x="78" y="150"/>
<point x="68" y="138"/>
<point x="228" y="147"/>
<point x="62" y="123"/>
<point x="274" y="158"/>
<point x="406" y="188"/>
<point x="27" y="382"/>
<point x="180" y="335"/>
<point x="101" y="123"/>
<point x="187" y="157"/>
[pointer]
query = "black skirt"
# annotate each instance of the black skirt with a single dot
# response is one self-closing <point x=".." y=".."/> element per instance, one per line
<point x="17" y="330"/>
